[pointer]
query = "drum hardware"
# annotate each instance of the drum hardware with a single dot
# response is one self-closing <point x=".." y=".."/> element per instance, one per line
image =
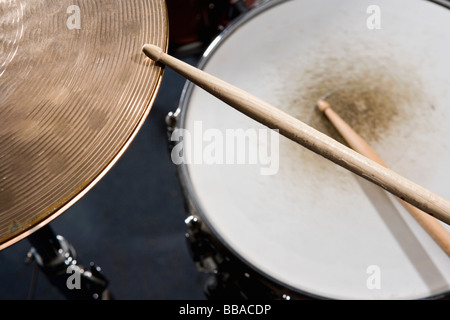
<point x="171" y="122"/>
<point x="57" y="259"/>
<point x="228" y="278"/>
<point x="202" y="251"/>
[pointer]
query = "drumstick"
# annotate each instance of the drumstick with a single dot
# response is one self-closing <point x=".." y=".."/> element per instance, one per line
<point x="432" y="226"/>
<point x="307" y="136"/>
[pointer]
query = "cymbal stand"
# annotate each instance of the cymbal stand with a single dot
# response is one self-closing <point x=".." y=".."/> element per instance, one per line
<point x="57" y="259"/>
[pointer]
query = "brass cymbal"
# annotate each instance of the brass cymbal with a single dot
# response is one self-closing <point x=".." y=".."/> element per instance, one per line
<point x="74" y="90"/>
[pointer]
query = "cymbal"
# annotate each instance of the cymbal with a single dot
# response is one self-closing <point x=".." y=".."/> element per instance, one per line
<point x="74" y="90"/>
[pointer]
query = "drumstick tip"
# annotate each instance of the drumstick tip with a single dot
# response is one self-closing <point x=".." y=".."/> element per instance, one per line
<point x="152" y="51"/>
<point x="323" y="105"/>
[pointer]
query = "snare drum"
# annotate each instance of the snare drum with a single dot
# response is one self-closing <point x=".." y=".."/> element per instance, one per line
<point x="309" y="228"/>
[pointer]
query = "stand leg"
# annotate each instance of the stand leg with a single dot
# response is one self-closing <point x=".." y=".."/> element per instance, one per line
<point x="57" y="259"/>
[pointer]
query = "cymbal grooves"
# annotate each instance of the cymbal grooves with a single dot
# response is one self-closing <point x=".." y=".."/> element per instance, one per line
<point x="74" y="90"/>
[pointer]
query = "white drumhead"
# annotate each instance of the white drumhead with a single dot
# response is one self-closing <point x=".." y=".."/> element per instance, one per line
<point x="313" y="226"/>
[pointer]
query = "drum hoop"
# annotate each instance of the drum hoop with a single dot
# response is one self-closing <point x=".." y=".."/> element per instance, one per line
<point x="182" y="169"/>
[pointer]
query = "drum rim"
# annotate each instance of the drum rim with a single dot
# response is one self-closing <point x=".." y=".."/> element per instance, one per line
<point x="183" y="171"/>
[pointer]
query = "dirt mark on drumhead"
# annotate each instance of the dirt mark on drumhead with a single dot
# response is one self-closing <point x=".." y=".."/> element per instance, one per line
<point x="383" y="101"/>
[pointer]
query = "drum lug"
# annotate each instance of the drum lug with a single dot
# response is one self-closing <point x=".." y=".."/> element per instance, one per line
<point x="171" y="120"/>
<point x="202" y="250"/>
<point x="171" y="123"/>
<point x="193" y="223"/>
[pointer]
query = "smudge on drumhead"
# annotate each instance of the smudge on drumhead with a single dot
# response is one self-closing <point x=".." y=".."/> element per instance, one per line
<point x="369" y="111"/>
<point x="382" y="100"/>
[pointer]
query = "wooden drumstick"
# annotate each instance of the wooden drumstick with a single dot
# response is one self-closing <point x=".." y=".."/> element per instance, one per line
<point x="307" y="136"/>
<point x="432" y="226"/>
